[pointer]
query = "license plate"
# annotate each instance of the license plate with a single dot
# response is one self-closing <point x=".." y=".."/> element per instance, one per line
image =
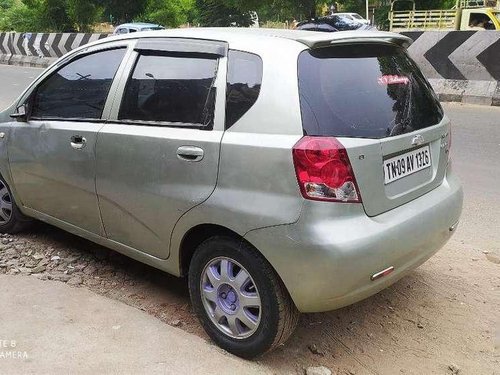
<point x="406" y="164"/>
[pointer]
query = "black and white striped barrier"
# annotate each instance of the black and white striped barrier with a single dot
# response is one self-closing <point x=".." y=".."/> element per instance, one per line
<point x="462" y="66"/>
<point x="40" y="49"/>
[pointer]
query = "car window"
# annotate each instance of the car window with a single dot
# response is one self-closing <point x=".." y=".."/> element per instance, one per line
<point x="244" y="79"/>
<point x="79" y="89"/>
<point x="171" y="89"/>
<point x="132" y="30"/>
<point x="122" y="31"/>
<point x="367" y="91"/>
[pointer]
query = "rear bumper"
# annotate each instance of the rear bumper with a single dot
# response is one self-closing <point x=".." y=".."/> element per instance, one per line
<point x="326" y="259"/>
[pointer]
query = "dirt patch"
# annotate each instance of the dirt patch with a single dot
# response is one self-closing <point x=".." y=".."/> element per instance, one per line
<point x="441" y="319"/>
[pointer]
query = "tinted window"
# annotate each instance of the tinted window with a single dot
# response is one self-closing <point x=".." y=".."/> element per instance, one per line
<point x="244" y="79"/>
<point x="371" y="91"/>
<point x="172" y="89"/>
<point x="79" y="89"/>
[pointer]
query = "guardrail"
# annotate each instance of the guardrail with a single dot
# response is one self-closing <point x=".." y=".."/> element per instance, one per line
<point x="461" y="65"/>
<point x="40" y="49"/>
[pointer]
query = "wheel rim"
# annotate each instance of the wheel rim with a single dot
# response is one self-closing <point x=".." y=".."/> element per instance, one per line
<point x="231" y="298"/>
<point x="5" y="204"/>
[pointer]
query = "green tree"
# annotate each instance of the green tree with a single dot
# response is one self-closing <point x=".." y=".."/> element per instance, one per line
<point x="171" y="13"/>
<point x="120" y="11"/>
<point x="220" y="14"/>
<point x="18" y="17"/>
<point x="83" y="14"/>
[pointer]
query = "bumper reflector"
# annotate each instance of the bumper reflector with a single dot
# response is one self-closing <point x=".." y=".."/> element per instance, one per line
<point x="383" y="273"/>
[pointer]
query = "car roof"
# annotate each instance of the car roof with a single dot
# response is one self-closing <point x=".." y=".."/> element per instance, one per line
<point x="311" y="39"/>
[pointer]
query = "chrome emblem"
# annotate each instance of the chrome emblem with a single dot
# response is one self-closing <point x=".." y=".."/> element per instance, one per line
<point x="417" y="140"/>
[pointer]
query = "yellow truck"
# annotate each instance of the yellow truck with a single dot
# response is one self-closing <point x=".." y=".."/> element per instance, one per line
<point x="465" y="15"/>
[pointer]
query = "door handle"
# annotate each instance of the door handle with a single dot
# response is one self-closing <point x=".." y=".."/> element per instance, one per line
<point x="190" y="153"/>
<point x="78" y="142"/>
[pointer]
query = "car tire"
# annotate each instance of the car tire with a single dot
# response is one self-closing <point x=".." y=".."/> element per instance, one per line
<point x="11" y="219"/>
<point x="220" y="298"/>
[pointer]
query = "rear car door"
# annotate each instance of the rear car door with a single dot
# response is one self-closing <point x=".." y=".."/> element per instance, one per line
<point x="52" y="155"/>
<point x="158" y="157"/>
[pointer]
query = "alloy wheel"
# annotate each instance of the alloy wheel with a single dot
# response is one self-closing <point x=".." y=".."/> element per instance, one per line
<point x="231" y="298"/>
<point x="5" y="204"/>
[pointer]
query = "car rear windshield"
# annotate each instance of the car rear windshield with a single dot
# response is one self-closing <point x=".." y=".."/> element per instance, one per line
<point x="365" y="91"/>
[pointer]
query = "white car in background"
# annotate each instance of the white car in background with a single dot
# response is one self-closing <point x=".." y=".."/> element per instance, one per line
<point x="128" y="28"/>
<point x="354" y="17"/>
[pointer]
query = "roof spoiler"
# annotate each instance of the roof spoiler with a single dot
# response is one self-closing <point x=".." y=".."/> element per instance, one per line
<point x="363" y="38"/>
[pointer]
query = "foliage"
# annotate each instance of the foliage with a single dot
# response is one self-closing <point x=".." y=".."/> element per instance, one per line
<point x="167" y="12"/>
<point x="121" y="11"/>
<point x="83" y="14"/>
<point x="221" y="14"/>
<point x="80" y="15"/>
<point x="18" y="17"/>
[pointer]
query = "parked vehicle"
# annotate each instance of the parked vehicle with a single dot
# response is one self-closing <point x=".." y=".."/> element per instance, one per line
<point x="338" y="22"/>
<point x="280" y="171"/>
<point x="354" y="17"/>
<point x="313" y="26"/>
<point x="127" y="28"/>
<point x="465" y="15"/>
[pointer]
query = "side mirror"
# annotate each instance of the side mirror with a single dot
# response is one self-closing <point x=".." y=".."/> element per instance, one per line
<point x="21" y="114"/>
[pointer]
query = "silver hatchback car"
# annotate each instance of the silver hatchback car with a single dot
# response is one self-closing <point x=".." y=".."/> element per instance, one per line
<point x="280" y="171"/>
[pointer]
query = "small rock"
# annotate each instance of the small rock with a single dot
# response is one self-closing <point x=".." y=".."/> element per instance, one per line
<point x="62" y="277"/>
<point x="320" y="370"/>
<point x="486" y="252"/>
<point x="493" y="258"/>
<point x="176" y="323"/>
<point x="116" y="327"/>
<point x="38" y="269"/>
<point x="455" y="370"/>
<point x="75" y="280"/>
<point x="55" y="258"/>
<point x="5" y="241"/>
<point x="25" y="270"/>
<point x="89" y="270"/>
<point x="420" y="325"/>
<point x="37" y="256"/>
<point x="313" y="348"/>
<point x="475" y="259"/>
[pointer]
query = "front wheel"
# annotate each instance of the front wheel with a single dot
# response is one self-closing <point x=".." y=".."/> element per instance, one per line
<point x="240" y="301"/>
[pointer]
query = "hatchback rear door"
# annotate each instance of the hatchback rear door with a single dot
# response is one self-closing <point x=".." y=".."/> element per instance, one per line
<point x="158" y="156"/>
<point x="374" y="99"/>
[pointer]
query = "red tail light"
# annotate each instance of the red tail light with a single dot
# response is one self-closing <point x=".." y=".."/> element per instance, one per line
<point x="324" y="171"/>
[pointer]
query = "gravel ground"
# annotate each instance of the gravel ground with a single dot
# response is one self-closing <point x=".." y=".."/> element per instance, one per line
<point x="441" y="319"/>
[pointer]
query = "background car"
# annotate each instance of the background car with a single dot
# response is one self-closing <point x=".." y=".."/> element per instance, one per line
<point x="312" y="26"/>
<point x="127" y="28"/>
<point x="339" y="22"/>
<point x="354" y="17"/>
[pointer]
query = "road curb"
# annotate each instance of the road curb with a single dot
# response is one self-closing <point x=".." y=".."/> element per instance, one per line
<point x="469" y="92"/>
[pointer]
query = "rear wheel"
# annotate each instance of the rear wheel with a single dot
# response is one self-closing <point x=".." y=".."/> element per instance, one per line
<point x="242" y="304"/>
<point x="11" y="219"/>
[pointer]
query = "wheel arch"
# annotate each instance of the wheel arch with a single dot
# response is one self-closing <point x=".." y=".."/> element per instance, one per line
<point x="195" y="236"/>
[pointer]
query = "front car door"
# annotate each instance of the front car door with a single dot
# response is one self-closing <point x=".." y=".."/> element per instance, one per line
<point x="52" y="155"/>
<point x="158" y="156"/>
